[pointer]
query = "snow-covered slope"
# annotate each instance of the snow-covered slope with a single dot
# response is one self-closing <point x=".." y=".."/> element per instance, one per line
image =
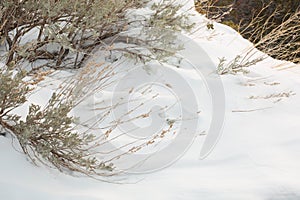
<point x="256" y="156"/>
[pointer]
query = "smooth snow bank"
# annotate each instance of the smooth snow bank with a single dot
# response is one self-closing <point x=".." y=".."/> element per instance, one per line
<point x="257" y="157"/>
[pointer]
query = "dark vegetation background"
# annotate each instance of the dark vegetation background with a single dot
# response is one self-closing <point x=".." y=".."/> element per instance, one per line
<point x="256" y="18"/>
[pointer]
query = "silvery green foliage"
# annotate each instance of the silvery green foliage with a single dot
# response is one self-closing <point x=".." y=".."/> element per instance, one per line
<point x="65" y="32"/>
<point x="157" y="37"/>
<point x="47" y="135"/>
<point x="163" y="27"/>
<point x="13" y="91"/>
<point x="238" y="65"/>
<point x="62" y="32"/>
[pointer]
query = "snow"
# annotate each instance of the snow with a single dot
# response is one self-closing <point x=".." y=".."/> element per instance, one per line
<point x="256" y="156"/>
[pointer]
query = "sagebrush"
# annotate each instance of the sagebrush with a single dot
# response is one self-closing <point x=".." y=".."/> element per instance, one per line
<point x="38" y="37"/>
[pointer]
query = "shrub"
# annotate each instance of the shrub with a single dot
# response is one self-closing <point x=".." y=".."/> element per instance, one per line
<point x="68" y="25"/>
<point x="47" y="135"/>
<point x="13" y="91"/>
<point x="63" y="34"/>
<point x="238" y="65"/>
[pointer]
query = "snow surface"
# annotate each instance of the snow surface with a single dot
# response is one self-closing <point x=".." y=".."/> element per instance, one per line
<point x="257" y="156"/>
